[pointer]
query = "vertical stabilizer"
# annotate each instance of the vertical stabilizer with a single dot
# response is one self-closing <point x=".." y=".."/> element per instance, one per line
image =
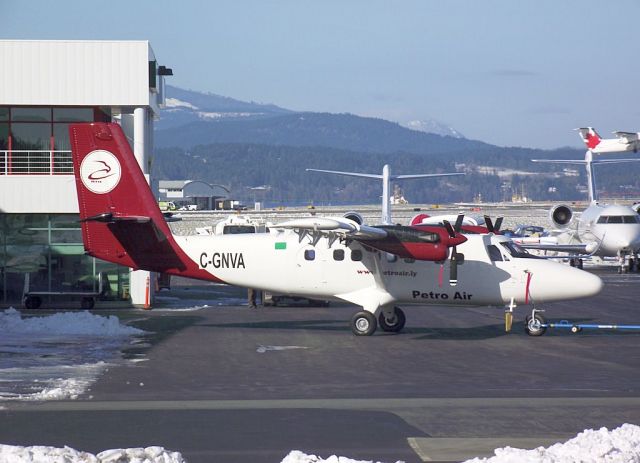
<point x="121" y="221"/>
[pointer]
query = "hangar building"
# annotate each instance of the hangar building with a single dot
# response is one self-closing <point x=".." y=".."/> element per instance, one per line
<point x="45" y="86"/>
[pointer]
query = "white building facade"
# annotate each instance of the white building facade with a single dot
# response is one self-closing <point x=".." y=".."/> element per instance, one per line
<point x="45" y="86"/>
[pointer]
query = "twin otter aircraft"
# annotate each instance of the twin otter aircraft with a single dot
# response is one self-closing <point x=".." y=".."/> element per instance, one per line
<point x="324" y="258"/>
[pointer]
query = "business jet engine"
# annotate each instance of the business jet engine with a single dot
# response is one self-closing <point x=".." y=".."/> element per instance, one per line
<point x="636" y="207"/>
<point x="355" y="216"/>
<point x="561" y="215"/>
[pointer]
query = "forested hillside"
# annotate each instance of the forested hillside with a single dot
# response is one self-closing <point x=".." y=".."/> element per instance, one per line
<point x="282" y="169"/>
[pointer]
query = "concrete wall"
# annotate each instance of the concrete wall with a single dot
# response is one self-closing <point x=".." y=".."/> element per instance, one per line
<point x="75" y="73"/>
<point x="35" y="194"/>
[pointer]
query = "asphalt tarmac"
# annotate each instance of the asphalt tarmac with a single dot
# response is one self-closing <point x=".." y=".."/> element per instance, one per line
<point x="231" y="384"/>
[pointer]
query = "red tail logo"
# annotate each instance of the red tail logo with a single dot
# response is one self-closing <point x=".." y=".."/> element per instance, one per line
<point x="100" y="171"/>
<point x="593" y="139"/>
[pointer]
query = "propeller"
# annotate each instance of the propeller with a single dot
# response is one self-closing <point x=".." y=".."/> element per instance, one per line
<point x="453" y="231"/>
<point x="490" y="226"/>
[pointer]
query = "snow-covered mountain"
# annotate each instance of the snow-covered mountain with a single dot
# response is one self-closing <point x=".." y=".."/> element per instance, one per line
<point x="433" y="126"/>
<point x="186" y="106"/>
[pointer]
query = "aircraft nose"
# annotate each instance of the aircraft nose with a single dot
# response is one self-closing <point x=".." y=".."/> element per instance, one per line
<point x="563" y="282"/>
<point x="587" y="283"/>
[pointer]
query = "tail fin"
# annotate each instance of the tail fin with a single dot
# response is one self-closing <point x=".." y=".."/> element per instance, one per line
<point x="121" y="221"/>
<point x="590" y="137"/>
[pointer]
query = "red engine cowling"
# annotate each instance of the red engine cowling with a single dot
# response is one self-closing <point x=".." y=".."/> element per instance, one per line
<point x="417" y="219"/>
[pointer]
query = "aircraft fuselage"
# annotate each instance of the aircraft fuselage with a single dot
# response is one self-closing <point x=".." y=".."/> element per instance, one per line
<point x="279" y="262"/>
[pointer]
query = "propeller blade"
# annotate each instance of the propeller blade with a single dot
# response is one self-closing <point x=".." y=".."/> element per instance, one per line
<point x="489" y="223"/>
<point x="450" y="230"/>
<point x="498" y="224"/>
<point x="453" y="267"/>
<point x="458" y="226"/>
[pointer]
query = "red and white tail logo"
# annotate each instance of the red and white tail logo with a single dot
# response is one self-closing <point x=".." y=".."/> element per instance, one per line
<point x="121" y="221"/>
<point x="590" y="137"/>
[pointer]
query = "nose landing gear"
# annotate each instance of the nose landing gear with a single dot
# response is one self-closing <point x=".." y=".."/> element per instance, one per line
<point x="535" y="324"/>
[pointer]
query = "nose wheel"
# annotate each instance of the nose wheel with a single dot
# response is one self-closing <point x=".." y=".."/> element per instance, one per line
<point x="535" y="324"/>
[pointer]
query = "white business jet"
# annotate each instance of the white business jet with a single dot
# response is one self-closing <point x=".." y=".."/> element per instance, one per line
<point x="323" y="258"/>
<point x="603" y="230"/>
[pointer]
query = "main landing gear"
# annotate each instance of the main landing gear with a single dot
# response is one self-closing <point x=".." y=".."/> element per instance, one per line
<point x="364" y="323"/>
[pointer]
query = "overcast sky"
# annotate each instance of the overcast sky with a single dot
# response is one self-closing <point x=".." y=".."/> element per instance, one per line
<point x="507" y="72"/>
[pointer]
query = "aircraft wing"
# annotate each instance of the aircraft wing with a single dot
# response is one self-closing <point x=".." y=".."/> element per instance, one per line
<point x="581" y="248"/>
<point x="348" y="174"/>
<point x="627" y="137"/>
<point x="409" y="177"/>
<point x="334" y="225"/>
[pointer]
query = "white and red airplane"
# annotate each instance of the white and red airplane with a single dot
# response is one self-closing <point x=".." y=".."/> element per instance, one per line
<point x="322" y="258"/>
<point x="624" y="141"/>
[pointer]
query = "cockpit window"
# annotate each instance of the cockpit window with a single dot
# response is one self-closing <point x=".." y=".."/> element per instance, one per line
<point x="618" y="219"/>
<point x="517" y="251"/>
<point x="494" y="253"/>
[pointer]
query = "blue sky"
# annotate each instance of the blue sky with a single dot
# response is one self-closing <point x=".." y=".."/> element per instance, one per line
<point x="512" y="73"/>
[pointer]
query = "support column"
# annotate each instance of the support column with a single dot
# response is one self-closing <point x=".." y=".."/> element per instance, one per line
<point x="141" y="282"/>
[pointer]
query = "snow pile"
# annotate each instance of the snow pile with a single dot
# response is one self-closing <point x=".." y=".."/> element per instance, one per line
<point x="17" y="454"/>
<point x="65" y="323"/>
<point x="295" y="456"/>
<point x="621" y="445"/>
<point x="57" y="356"/>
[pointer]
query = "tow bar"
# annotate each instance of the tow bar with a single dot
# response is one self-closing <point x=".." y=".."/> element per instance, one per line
<point x="577" y="327"/>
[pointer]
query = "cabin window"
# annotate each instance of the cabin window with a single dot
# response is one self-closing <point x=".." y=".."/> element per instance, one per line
<point x="309" y="254"/>
<point x="494" y="253"/>
<point x="391" y="257"/>
<point x="338" y="254"/>
<point x="356" y="255"/>
<point x="238" y="229"/>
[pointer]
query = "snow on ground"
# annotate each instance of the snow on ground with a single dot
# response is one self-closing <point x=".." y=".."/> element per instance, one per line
<point x="295" y="456"/>
<point x="621" y="445"/>
<point x="41" y="454"/>
<point x="57" y="356"/>
<point x="64" y="323"/>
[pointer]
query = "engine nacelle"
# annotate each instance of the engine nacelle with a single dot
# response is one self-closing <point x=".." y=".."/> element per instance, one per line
<point x="356" y="217"/>
<point x="636" y="207"/>
<point x="417" y="219"/>
<point x="561" y="215"/>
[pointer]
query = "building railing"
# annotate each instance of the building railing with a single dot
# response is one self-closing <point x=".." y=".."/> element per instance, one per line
<point x="36" y="162"/>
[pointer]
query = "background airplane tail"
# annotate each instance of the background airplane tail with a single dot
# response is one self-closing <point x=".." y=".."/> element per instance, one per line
<point x="121" y="221"/>
<point x="589" y="136"/>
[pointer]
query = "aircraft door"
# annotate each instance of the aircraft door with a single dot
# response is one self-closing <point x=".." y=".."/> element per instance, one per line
<point x="312" y="264"/>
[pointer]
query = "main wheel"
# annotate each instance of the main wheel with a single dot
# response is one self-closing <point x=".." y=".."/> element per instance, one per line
<point x="534" y="326"/>
<point x="32" y="302"/>
<point x="393" y="324"/>
<point x="363" y="323"/>
<point x="87" y="303"/>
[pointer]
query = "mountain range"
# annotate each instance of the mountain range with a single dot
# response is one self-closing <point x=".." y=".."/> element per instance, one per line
<point x="203" y="136"/>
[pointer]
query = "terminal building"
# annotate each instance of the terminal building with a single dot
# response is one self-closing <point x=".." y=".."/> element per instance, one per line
<point x="45" y="86"/>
